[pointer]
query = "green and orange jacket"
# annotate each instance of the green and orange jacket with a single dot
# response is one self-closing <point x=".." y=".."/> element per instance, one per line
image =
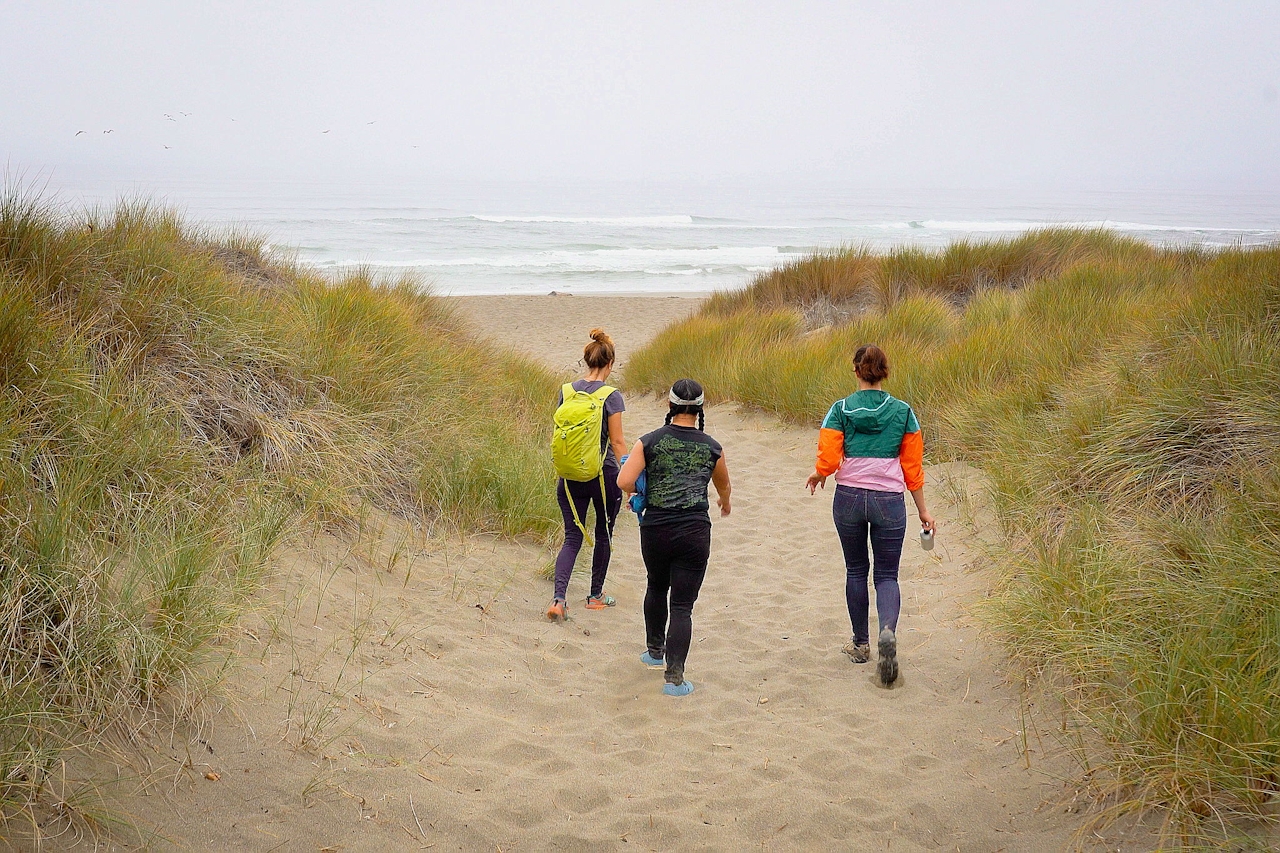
<point x="872" y="440"/>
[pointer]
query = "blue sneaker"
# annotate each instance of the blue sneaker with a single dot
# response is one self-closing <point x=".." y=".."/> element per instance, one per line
<point x="649" y="660"/>
<point x="684" y="688"/>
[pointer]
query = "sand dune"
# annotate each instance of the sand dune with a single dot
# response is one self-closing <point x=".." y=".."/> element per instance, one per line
<point x="399" y="692"/>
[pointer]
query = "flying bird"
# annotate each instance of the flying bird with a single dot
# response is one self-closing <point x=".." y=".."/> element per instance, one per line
<point x="375" y="121"/>
<point x="181" y="113"/>
<point x="78" y="132"/>
<point x="108" y="131"/>
<point x="166" y="147"/>
<point x="324" y="131"/>
<point x="169" y="117"/>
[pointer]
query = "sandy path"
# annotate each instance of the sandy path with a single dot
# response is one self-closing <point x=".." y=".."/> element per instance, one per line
<point x="403" y="693"/>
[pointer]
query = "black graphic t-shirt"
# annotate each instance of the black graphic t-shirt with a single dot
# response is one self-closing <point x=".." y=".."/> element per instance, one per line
<point x="678" y="462"/>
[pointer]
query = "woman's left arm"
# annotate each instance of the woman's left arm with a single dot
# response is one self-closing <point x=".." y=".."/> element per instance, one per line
<point x="720" y="479"/>
<point x="616" y="440"/>
<point x="911" y="455"/>
<point x="631" y="469"/>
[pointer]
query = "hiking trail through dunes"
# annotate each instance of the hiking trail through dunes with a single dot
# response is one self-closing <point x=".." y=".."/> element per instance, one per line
<point x="398" y="692"/>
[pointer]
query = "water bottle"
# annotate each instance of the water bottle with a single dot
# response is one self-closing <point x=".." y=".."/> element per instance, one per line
<point x="926" y="539"/>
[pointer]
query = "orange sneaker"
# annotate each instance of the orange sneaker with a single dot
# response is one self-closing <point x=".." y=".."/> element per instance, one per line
<point x="556" y="612"/>
<point x="600" y="602"/>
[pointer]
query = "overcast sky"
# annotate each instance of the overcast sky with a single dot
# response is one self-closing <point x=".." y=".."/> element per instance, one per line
<point x="1102" y="95"/>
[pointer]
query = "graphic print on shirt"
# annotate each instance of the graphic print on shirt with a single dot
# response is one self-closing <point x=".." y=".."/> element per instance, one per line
<point x="678" y="475"/>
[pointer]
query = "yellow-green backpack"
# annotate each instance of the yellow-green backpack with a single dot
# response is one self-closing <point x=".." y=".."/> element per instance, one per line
<point x="576" y="438"/>
<point x="579" y="425"/>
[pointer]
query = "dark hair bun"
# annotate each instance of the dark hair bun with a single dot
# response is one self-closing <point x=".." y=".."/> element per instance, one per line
<point x="870" y="363"/>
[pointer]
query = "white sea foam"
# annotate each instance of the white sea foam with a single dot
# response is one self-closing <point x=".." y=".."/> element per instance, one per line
<point x="490" y="239"/>
<point x="981" y="226"/>
<point x="668" y="261"/>
<point x="1189" y="229"/>
<point x="978" y="226"/>
<point x="636" y="221"/>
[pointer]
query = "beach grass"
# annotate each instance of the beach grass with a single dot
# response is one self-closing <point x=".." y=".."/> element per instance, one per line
<point x="174" y="407"/>
<point x="1122" y="402"/>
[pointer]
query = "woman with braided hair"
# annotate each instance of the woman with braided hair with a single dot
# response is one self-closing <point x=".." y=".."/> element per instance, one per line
<point x="678" y="461"/>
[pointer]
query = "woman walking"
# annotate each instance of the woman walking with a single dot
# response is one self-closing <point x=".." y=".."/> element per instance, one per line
<point x="678" y="461"/>
<point x="600" y="491"/>
<point x="871" y="441"/>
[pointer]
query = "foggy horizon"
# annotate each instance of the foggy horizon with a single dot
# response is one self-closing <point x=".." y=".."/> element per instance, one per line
<point x="1086" y="97"/>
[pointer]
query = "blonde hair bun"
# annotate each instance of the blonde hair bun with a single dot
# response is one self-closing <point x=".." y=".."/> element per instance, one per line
<point x="599" y="335"/>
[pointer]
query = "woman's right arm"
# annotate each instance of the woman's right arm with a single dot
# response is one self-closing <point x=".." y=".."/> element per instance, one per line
<point x="830" y="455"/>
<point x="720" y="479"/>
<point x="631" y="469"/>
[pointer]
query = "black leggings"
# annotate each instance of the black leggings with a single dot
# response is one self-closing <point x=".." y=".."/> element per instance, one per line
<point x="675" y="558"/>
<point x="587" y="494"/>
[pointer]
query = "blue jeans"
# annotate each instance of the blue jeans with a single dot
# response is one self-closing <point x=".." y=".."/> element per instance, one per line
<point x="881" y="516"/>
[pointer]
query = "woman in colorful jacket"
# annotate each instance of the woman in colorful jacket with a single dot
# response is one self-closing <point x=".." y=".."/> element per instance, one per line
<point x="871" y="441"/>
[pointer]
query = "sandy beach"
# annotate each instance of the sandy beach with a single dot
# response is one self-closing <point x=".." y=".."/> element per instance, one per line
<point x="399" y="691"/>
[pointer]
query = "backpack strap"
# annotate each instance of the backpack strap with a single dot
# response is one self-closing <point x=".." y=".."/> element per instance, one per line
<point x="573" y="508"/>
<point x="604" y="502"/>
<point x="602" y="394"/>
<point x="568" y="389"/>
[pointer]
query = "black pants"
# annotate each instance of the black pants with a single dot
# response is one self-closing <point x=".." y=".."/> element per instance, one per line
<point x="584" y="495"/>
<point x="675" y="558"/>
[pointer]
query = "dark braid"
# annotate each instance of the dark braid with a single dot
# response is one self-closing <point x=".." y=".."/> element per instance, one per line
<point x="688" y="410"/>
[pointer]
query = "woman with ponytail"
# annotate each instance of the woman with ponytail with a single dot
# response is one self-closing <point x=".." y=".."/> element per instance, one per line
<point x="872" y="442"/>
<point x="678" y="460"/>
<point x="607" y="499"/>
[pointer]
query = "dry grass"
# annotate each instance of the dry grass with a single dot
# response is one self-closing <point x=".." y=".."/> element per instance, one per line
<point x="831" y="287"/>
<point x="173" y="406"/>
<point x="1122" y="400"/>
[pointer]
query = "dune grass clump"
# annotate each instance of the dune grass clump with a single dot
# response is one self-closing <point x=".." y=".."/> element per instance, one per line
<point x="173" y="407"/>
<point x="1122" y="400"/>
<point x="831" y="286"/>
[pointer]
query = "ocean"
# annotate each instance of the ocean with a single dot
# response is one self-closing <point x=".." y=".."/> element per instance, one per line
<point x="474" y="238"/>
